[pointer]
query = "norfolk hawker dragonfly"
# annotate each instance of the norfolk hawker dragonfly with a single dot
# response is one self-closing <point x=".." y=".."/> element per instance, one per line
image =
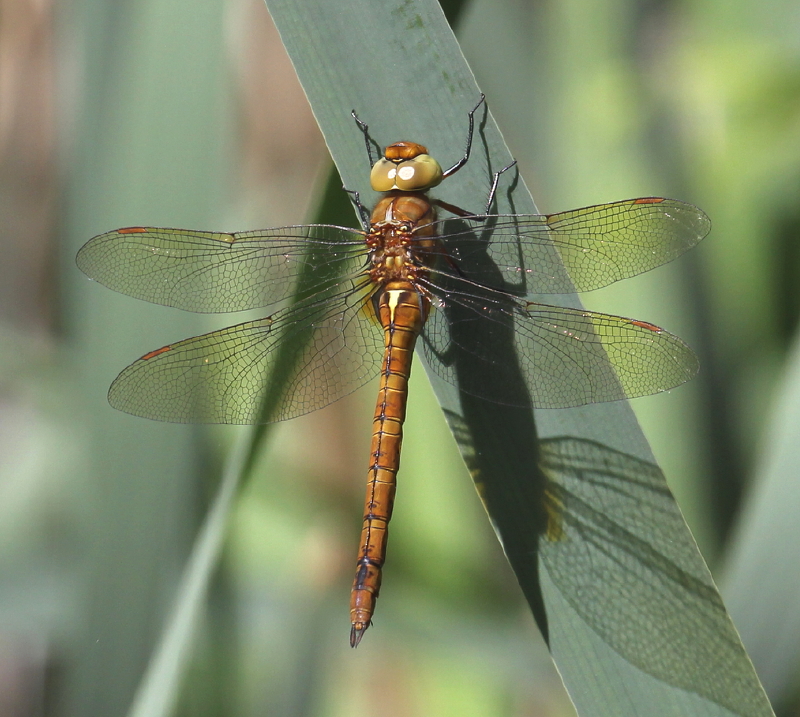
<point x="407" y="275"/>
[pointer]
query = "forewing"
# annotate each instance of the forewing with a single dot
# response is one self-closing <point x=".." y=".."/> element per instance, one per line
<point x="296" y="361"/>
<point x="578" y="250"/>
<point x="213" y="272"/>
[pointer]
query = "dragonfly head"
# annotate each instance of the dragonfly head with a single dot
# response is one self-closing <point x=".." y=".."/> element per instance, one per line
<point x="406" y="166"/>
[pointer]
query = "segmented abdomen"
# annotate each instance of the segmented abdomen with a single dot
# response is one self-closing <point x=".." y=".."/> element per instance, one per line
<point x="402" y="312"/>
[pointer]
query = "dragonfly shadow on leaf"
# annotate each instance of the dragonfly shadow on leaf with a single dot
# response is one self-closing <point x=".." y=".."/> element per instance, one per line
<point x="618" y="550"/>
<point x="469" y="338"/>
<point x="601" y="523"/>
<point x="494" y="425"/>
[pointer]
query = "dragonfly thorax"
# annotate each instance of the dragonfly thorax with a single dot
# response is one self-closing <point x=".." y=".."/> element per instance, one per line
<point x="399" y="247"/>
<point x="396" y="207"/>
<point x="394" y="258"/>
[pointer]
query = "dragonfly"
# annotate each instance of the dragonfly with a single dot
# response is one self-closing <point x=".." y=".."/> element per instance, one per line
<point x="407" y="279"/>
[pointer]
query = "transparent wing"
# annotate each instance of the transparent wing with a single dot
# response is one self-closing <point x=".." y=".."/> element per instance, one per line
<point x="296" y="361"/>
<point x="566" y="357"/>
<point x="596" y="245"/>
<point x="213" y="272"/>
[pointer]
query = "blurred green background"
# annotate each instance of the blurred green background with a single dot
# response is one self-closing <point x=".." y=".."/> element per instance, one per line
<point x="189" y="114"/>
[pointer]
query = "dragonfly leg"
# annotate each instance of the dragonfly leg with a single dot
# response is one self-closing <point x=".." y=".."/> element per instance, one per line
<point x="364" y="127"/>
<point x="461" y="162"/>
<point x="363" y="212"/>
<point x="493" y="190"/>
<point x="459" y="212"/>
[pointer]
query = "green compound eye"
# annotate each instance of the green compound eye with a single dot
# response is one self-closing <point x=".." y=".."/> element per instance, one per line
<point x="382" y="176"/>
<point x="418" y="174"/>
<point x="412" y="175"/>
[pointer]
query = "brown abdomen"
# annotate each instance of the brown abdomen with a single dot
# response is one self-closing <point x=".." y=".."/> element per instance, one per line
<point x="402" y="312"/>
